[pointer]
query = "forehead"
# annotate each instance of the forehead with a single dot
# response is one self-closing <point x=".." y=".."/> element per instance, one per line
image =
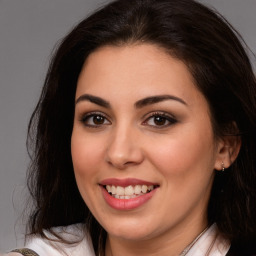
<point x="145" y="68"/>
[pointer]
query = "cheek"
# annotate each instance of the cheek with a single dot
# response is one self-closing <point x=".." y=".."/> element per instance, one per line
<point x="184" y="153"/>
<point x="86" y="155"/>
<point x="186" y="165"/>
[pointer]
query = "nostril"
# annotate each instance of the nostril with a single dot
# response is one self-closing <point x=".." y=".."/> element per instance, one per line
<point x="123" y="152"/>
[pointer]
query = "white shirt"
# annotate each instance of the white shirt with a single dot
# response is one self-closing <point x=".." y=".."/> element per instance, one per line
<point x="209" y="244"/>
<point x="73" y="233"/>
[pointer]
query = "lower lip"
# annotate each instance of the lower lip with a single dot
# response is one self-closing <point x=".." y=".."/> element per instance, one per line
<point x="126" y="204"/>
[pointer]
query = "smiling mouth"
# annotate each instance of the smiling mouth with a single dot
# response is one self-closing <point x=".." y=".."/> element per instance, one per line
<point x="130" y="191"/>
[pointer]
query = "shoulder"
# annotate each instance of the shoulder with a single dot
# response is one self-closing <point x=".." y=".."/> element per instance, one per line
<point x="79" y="242"/>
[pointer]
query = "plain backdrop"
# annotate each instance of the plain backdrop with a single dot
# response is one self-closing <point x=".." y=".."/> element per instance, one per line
<point x="29" y="29"/>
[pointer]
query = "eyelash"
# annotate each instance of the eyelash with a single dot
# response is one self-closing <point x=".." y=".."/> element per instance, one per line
<point x="85" y="118"/>
<point x="164" y="117"/>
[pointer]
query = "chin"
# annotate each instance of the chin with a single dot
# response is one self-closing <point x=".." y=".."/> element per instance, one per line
<point x="130" y="230"/>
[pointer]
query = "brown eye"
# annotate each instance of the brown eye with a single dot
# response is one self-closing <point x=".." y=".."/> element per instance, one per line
<point x="98" y="120"/>
<point x="160" y="120"/>
<point x="95" y="120"/>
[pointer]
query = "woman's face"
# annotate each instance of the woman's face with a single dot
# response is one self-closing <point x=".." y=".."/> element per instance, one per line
<point x="142" y="145"/>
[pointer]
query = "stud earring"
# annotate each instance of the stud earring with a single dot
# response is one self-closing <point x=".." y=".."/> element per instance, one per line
<point x="222" y="165"/>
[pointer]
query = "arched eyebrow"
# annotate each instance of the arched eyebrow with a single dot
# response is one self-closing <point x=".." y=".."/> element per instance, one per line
<point x="139" y="104"/>
<point x="156" y="99"/>
<point x="94" y="99"/>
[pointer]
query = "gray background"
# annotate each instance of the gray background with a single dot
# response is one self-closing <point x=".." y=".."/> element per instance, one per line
<point x="29" y="29"/>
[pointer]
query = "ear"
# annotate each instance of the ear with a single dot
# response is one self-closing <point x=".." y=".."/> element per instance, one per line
<point x="228" y="148"/>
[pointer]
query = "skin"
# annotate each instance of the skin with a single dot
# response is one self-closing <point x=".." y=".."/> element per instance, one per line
<point x="180" y="156"/>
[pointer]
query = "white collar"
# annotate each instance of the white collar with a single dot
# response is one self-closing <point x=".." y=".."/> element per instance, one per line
<point x="211" y="243"/>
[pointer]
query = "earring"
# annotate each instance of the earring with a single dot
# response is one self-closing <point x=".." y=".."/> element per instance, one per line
<point x="222" y="165"/>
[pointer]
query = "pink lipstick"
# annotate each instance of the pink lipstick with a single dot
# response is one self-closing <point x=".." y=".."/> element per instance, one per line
<point x="127" y="194"/>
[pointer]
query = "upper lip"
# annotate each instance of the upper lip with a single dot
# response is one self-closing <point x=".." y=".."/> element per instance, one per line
<point x="126" y="182"/>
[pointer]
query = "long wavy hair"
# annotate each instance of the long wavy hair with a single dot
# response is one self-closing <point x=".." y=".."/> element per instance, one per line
<point x="216" y="57"/>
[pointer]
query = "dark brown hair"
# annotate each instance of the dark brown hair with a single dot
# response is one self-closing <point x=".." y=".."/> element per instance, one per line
<point x="214" y="53"/>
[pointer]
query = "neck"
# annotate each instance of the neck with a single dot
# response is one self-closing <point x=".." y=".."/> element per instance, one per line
<point x="168" y="244"/>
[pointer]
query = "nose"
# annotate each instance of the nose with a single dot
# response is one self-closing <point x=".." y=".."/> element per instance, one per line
<point x="124" y="148"/>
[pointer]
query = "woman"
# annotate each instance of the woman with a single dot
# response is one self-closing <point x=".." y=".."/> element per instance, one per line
<point x="145" y="137"/>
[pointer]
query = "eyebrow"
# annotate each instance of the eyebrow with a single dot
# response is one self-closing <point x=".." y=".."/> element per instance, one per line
<point x="139" y="104"/>
<point x="94" y="99"/>
<point x="156" y="99"/>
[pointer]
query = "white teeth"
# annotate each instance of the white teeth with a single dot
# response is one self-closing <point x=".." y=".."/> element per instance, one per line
<point x="129" y="191"/>
<point x="151" y="187"/>
<point x="137" y="189"/>
<point x="113" y="190"/>
<point x="108" y="187"/>
<point x="144" y="188"/>
<point x="120" y="191"/>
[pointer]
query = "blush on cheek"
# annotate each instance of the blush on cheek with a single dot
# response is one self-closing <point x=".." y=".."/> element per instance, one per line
<point x="172" y="157"/>
<point x="84" y="153"/>
<point x="184" y="156"/>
